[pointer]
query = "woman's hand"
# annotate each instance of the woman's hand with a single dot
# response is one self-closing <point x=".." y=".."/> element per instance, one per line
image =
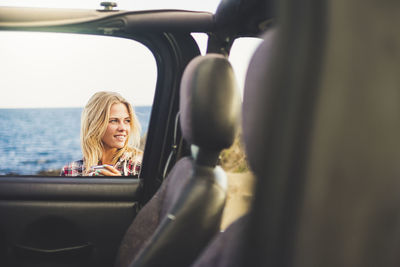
<point x="108" y="170"/>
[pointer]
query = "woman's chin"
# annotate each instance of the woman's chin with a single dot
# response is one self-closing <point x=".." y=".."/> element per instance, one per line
<point x="119" y="146"/>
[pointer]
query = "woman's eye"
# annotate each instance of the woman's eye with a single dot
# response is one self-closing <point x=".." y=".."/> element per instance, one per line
<point x="127" y="121"/>
<point x="113" y="120"/>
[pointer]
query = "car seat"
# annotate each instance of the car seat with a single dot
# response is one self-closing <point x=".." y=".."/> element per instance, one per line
<point x="321" y="129"/>
<point x="226" y="249"/>
<point x="184" y="214"/>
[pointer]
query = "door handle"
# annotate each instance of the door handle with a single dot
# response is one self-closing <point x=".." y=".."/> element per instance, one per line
<point x="73" y="251"/>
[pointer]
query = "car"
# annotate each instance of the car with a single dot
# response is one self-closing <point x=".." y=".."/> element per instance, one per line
<point x="320" y="126"/>
<point x="77" y="221"/>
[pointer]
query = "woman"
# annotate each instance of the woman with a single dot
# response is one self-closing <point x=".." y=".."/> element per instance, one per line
<point x="110" y="137"/>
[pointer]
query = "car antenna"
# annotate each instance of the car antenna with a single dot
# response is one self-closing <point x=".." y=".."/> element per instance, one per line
<point x="108" y="6"/>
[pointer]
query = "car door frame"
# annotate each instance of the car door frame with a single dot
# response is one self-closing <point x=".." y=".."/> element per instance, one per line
<point x="167" y="35"/>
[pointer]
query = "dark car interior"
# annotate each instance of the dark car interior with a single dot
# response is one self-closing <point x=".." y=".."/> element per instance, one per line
<point x="320" y="119"/>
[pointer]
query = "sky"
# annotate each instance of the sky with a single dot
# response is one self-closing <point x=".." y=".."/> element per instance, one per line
<point x="63" y="70"/>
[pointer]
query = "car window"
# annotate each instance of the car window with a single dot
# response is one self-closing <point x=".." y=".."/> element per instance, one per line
<point x="240" y="55"/>
<point x="234" y="159"/>
<point x="47" y="78"/>
<point x="201" y="40"/>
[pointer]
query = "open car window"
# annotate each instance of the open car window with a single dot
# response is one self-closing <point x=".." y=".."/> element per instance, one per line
<point x="47" y="78"/>
<point x="240" y="55"/>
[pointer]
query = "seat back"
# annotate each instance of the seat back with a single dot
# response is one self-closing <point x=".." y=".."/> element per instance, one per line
<point x="348" y="211"/>
<point x="321" y="128"/>
<point x="226" y="250"/>
<point x="180" y="219"/>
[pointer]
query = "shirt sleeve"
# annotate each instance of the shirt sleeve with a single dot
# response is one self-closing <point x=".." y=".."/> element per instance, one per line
<point x="134" y="168"/>
<point x="64" y="171"/>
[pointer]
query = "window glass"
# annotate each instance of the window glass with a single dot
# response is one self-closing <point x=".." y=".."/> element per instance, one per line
<point x="234" y="159"/>
<point x="240" y="55"/>
<point x="47" y="78"/>
<point x="201" y="40"/>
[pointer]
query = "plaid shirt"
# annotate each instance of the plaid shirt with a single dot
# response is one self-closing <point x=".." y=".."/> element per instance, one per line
<point x="126" y="164"/>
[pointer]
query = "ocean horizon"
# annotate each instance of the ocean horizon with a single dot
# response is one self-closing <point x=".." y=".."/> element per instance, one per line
<point x="34" y="140"/>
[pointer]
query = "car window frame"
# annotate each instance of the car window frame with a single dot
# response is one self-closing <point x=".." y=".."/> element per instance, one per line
<point x="172" y="47"/>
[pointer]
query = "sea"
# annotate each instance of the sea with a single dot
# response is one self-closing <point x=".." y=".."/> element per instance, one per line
<point x="33" y="140"/>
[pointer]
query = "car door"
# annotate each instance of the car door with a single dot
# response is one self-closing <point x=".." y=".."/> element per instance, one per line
<point x="53" y="221"/>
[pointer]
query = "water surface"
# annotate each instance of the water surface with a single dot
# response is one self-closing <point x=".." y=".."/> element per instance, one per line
<point x="34" y="140"/>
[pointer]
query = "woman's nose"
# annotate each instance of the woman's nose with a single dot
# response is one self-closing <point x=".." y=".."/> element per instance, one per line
<point x="122" y="126"/>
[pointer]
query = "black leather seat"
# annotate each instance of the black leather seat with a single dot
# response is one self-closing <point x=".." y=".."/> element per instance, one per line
<point x="184" y="214"/>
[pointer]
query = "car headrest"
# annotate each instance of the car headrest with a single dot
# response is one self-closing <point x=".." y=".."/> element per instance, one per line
<point x="256" y="104"/>
<point x="209" y="103"/>
<point x="244" y="17"/>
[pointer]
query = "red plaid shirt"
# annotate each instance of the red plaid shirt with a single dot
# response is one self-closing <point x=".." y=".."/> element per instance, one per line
<point x="126" y="164"/>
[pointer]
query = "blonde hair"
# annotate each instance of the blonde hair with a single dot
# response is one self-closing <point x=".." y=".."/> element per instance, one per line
<point x="94" y="121"/>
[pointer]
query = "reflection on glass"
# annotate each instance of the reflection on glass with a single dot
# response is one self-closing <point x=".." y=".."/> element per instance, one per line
<point x="47" y="78"/>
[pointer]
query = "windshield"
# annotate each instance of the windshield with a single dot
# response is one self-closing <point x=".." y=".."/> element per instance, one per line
<point x="207" y="5"/>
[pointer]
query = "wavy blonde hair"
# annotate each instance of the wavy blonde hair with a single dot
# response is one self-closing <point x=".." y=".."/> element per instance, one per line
<point x="94" y="121"/>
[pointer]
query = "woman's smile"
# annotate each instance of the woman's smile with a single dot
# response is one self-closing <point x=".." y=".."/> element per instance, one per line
<point x="120" y="138"/>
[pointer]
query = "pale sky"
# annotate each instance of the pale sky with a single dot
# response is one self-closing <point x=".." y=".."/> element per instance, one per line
<point x="64" y="70"/>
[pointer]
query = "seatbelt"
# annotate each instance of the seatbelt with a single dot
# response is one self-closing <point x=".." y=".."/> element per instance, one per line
<point x="174" y="146"/>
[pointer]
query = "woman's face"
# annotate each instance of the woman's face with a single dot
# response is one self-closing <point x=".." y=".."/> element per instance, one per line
<point x="118" y="127"/>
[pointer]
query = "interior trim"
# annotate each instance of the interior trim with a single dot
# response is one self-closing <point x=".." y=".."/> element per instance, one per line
<point x="79" y="189"/>
<point x="13" y="18"/>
